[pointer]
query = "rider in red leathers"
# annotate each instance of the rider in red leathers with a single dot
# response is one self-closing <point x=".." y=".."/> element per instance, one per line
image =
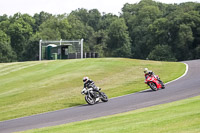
<point x="148" y="73"/>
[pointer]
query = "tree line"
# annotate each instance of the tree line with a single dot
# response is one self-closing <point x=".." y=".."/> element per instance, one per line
<point x="144" y="30"/>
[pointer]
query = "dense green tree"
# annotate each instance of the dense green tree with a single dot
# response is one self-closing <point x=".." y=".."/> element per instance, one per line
<point x="138" y="18"/>
<point x="150" y="23"/>
<point x="81" y="14"/>
<point x="4" y="37"/>
<point x="62" y="27"/>
<point x="49" y="30"/>
<point x="160" y="34"/>
<point x="6" y="52"/>
<point x="184" y="41"/>
<point x="32" y="48"/>
<point x="118" y="43"/>
<point x="106" y="21"/>
<point x="94" y="17"/>
<point x="4" y="25"/>
<point x="19" y="31"/>
<point x="98" y="42"/>
<point x="162" y="53"/>
<point x="40" y="18"/>
<point x="88" y="39"/>
<point x="3" y="18"/>
<point x="142" y="29"/>
<point x="183" y="31"/>
<point x="159" y="31"/>
<point x="78" y="29"/>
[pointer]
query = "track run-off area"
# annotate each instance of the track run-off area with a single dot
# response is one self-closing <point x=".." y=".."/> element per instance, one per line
<point x="186" y="86"/>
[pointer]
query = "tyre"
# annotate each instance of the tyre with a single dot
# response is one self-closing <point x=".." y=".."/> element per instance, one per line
<point x="89" y="100"/>
<point x="163" y="86"/>
<point x="104" y="97"/>
<point x="153" y="86"/>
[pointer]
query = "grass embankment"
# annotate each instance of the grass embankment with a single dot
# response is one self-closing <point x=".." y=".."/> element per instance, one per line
<point x="177" y="117"/>
<point x="29" y="88"/>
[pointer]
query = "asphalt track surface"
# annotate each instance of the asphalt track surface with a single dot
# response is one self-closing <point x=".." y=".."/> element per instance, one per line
<point x="185" y="87"/>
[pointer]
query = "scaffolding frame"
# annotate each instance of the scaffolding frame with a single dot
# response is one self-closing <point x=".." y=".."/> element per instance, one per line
<point x="80" y="41"/>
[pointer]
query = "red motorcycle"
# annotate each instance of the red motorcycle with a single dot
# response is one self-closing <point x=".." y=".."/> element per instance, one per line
<point x="153" y="82"/>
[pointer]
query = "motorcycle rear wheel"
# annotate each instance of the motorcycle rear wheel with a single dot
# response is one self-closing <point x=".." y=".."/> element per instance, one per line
<point x="89" y="100"/>
<point x="162" y="84"/>
<point x="104" y="97"/>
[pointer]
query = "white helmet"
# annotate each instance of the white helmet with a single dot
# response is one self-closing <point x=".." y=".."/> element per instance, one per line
<point x="146" y="70"/>
<point x="85" y="79"/>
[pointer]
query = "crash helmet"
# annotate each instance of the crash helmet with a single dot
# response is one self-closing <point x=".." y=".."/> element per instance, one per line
<point x="85" y="79"/>
<point x="146" y="70"/>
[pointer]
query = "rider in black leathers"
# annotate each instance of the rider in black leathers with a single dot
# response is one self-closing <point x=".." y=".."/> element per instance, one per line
<point x="88" y="83"/>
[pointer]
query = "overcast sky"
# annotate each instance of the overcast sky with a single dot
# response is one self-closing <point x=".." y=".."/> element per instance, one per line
<point x="54" y="7"/>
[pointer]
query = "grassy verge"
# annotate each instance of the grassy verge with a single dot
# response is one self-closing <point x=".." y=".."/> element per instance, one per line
<point x="29" y="88"/>
<point x="177" y="117"/>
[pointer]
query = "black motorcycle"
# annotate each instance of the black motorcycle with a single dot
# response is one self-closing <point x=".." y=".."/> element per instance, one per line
<point x="92" y="97"/>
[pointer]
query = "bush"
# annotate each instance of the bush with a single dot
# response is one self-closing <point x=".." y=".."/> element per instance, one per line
<point x="162" y="53"/>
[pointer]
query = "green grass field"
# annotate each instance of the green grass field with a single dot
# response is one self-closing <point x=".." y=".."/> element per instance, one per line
<point x="176" y="117"/>
<point x="29" y="88"/>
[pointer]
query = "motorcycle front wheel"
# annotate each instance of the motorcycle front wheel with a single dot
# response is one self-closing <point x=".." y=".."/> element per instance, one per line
<point x="153" y="86"/>
<point x="89" y="100"/>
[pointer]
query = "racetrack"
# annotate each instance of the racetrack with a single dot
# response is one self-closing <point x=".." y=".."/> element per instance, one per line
<point x="187" y="86"/>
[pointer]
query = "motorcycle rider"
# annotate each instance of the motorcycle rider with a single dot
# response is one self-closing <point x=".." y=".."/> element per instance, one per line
<point x="148" y="73"/>
<point x="88" y="83"/>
